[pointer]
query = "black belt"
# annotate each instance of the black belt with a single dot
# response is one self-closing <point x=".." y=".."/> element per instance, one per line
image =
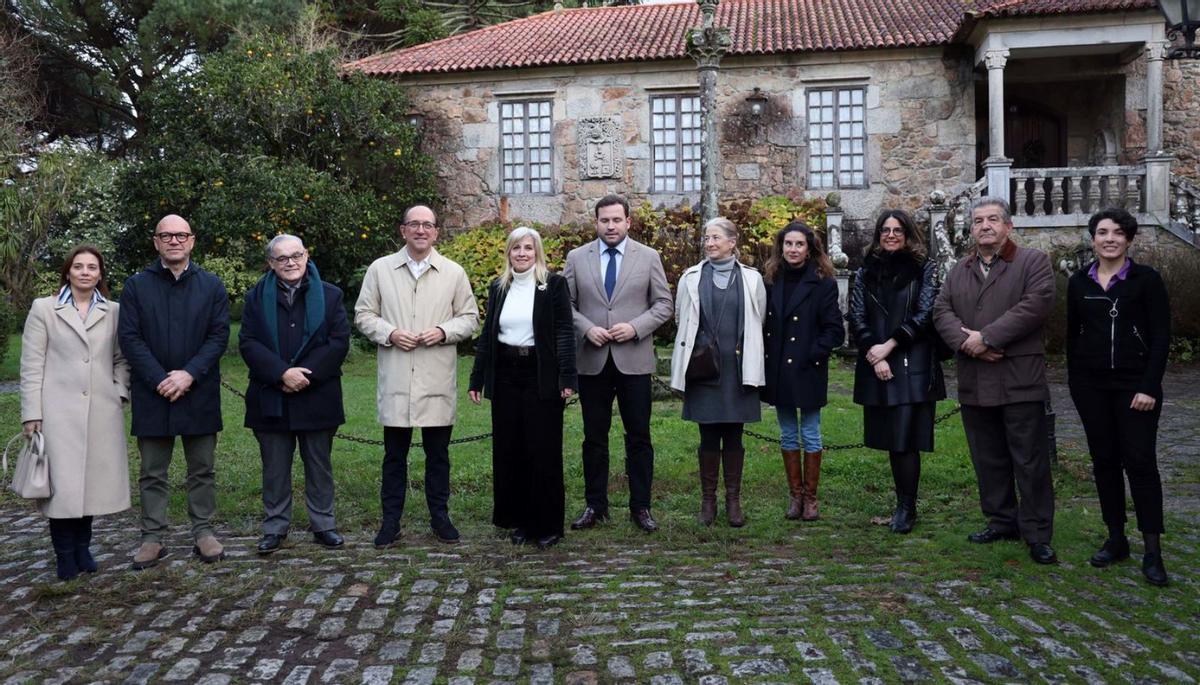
<point x="514" y="352"/>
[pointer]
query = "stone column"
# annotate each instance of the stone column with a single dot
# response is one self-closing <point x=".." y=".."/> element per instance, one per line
<point x="1157" y="163"/>
<point x="707" y="45"/>
<point x="996" y="166"/>
<point x="1155" y="52"/>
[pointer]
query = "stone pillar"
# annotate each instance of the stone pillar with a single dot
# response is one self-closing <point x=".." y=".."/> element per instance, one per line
<point x="995" y="60"/>
<point x="1155" y="52"/>
<point x="996" y="166"/>
<point x="940" y="249"/>
<point x="707" y="45"/>
<point x="833" y="230"/>
<point x="1158" y="185"/>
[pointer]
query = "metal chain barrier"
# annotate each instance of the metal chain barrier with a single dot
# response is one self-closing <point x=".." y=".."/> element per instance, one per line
<point x="574" y="399"/>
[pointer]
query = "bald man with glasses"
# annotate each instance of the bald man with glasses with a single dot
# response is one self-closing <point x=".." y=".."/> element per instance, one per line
<point x="174" y="327"/>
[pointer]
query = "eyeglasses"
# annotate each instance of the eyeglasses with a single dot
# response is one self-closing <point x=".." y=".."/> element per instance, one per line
<point x="427" y="225"/>
<point x="891" y="230"/>
<point x="172" y="237"/>
<point x="284" y="259"/>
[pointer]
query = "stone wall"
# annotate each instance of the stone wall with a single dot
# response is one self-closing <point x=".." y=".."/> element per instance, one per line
<point x="919" y="122"/>
<point x="1181" y="116"/>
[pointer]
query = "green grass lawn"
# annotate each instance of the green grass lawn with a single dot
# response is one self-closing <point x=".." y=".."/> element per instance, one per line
<point x="847" y="548"/>
<point x="855" y="483"/>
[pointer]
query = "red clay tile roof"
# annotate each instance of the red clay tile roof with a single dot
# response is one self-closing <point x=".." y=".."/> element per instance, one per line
<point x="657" y="32"/>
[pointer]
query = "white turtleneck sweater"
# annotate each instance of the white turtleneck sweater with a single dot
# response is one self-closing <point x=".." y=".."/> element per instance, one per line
<point x="516" y="317"/>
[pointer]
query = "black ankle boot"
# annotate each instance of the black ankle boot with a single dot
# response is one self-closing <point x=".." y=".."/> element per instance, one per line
<point x="83" y="545"/>
<point x="905" y="515"/>
<point x="1113" y="550"/>
<point x="62" y="537"/>
<point x="1153" y="570"/>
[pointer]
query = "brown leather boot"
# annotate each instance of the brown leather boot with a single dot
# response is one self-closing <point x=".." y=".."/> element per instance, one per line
<point x="793" y="465"/>
<point x="710" y="472"/>
<point x="812" y="476"/>
<point x="732" y="461"/>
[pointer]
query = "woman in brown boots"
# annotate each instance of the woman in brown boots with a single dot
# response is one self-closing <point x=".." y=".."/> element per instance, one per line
<point x="718" y="362"/>
<point x="897" y="379"/>
<point x="803" y="326"/>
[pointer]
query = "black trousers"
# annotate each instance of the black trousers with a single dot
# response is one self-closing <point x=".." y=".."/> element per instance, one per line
<point x="1007" y="444"/>
<point x="436" y="443"/>
<point x="527" y="444"/>
<point x="1123" y="443"/>
<point x="596" y="395"/>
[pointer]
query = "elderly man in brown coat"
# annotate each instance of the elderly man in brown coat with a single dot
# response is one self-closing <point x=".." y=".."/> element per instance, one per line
<point x="993" y="310"/>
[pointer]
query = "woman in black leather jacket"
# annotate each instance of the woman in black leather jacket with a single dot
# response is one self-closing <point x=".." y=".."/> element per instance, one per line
<point x="897" y="378"/>
<point x="1118" y="336"/>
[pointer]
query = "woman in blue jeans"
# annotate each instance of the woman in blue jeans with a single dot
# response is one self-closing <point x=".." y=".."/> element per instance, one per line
<point x="802" y="327"/>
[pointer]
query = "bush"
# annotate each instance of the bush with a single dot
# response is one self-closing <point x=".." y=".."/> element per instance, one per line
<point x="267" y="138"/>
<point x="673" y="232"/>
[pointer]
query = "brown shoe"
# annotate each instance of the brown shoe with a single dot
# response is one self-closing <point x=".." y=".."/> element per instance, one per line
<point x="208" y="549"/>
<point x="732" y="462"/>
<point x="793" y="465"/>
<point x="710" y="473"/>
<point x="148" y="555"/>
<point x="812" y="477"/>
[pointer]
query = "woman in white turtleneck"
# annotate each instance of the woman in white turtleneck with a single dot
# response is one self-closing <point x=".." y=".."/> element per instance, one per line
<point x="525" y="364"/>
<point x="719" y="306"/>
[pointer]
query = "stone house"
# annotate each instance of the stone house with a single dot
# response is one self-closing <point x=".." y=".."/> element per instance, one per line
<point x="1061" y="105"/>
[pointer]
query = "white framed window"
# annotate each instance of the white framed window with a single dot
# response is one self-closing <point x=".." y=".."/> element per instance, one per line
<point x="675" y="143"/>
<point x="525" y="161"/>
<point x="837" y="137"/>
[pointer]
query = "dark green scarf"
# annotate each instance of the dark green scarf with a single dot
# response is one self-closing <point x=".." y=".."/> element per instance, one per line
<point x="314" y="315"/>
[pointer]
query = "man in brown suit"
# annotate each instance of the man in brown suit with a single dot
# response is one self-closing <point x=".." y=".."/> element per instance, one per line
<point x="620" y="296"/>
<point x="993" y="310"/>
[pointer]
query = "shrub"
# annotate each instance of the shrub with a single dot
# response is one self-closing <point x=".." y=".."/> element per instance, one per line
<point x="268" y="137"/>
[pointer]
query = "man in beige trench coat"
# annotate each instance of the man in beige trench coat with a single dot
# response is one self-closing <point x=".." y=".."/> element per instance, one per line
<point x="416" y="305"/>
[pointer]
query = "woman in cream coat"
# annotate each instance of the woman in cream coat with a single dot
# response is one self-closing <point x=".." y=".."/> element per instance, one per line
<point x="74" y="383"/>
<point x="720" y="302"/>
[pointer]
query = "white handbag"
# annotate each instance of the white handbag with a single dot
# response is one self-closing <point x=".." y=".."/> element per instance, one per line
<point x="31" y="478"/>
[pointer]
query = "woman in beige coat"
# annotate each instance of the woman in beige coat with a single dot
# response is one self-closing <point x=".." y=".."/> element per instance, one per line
<point x="74" y="383"/>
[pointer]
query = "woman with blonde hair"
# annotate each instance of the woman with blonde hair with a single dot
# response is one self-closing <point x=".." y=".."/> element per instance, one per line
<point x="525" y="364"/>
<point x="717" y="362"/>
<point x="74" y="385"/>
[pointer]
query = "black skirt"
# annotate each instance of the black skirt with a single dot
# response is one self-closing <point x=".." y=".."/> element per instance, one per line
<point x="900" y="428"/>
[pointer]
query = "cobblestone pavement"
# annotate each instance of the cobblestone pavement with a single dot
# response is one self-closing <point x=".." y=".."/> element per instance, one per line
<point x="482" y="612"/>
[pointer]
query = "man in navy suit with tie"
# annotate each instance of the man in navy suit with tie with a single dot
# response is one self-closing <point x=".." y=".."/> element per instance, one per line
<point x="620" y="296"/>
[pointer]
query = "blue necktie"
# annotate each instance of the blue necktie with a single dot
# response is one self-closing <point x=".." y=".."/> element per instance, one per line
<point x="610" y="274"/>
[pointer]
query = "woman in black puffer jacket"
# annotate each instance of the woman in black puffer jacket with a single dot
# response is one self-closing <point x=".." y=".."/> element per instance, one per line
<point x="897" y="378"/>
<point x="1118" y="336"/>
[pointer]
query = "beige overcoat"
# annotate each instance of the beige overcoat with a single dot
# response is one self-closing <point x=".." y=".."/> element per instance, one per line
<point x="75" y="381"/>
<point x="416" y="388"/>
<point x="687" y="316"/>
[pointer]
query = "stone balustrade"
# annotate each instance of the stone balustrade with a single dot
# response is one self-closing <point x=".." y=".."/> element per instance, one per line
<point x="1185" y="204"/>
<point x="1076" y="191"/>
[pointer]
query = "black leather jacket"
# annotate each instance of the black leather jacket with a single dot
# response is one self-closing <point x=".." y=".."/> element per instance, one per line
<point x="893" y="297"/>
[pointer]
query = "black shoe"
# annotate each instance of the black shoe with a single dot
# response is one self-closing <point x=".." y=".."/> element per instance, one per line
<point x="548" y="541"/>
<point x="1042" y="553"/>
<point x="445" y="531"/>
<point x="389" y="534"/>
<point x="1110" y="553"/>
<point x="905" y="515"/>
<point x="588" y="519"/>
<point x="270" y="543"/>
<point x="990" y="535"/>
<point x="642" y="519"/>
<point x="519" y="537"/>
<point x="1154" y="571"/>
<point x="329" y="539"/>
